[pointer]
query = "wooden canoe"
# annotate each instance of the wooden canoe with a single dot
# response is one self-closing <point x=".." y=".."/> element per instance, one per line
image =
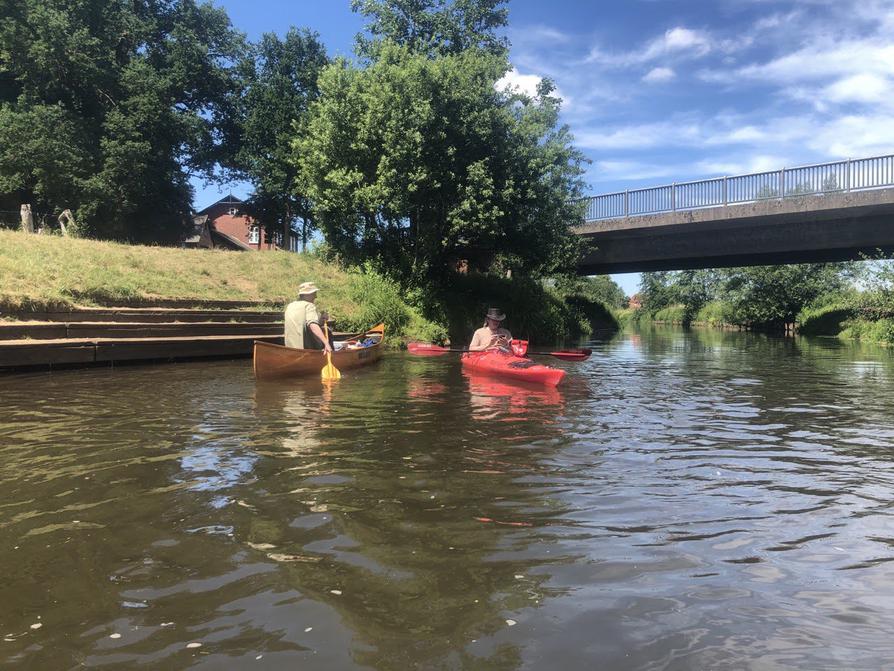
<point x="277" y="361"/>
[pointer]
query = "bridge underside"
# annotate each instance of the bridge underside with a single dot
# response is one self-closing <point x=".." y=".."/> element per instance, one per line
<point x="830" y="227"/>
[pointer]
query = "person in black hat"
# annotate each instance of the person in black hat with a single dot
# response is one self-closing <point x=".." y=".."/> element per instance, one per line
<point x="492" y="335"/>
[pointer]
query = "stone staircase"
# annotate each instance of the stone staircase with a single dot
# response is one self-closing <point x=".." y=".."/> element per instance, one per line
<point x="166" y="332"/>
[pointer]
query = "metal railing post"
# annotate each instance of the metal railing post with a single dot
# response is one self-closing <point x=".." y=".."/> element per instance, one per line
<point x="674" y="197"/>
<point x="782" y="184"/>
<point x="626" y="202"/>
<point x="847" y="176"/>
<point x="725" y="193"/>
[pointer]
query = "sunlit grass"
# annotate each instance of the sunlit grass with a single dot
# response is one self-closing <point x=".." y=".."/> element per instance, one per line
<point x="44" y="271"/>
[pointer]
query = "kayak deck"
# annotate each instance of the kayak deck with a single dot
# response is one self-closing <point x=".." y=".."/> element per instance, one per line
<point x="505" y="365"/>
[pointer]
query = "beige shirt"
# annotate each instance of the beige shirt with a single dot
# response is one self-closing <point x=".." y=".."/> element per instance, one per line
<point x="483" y="337"/>
<point x="299" y="315"/>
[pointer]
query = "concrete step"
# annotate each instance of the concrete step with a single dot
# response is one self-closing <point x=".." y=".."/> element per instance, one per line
<point x="145" y="315"/>
<point x="18" y="354"/>
<point x="37" y="330"/>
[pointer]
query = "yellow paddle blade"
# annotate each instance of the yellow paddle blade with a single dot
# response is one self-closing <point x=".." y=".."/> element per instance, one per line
<point x="329" y="371"/>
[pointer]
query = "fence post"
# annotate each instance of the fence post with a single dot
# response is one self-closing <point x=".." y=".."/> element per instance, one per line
<point x="674" y="197"/>
<point x="847" y="176"/>
<point x="724" y="192"/>
<point x="782" y="184"/>
<point x="27" y="218"/>
<point x="626" y="202"/>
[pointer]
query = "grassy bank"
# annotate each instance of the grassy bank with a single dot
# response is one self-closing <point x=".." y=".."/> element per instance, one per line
<point x="41" y="272"/>
<point x="44" y="272"/>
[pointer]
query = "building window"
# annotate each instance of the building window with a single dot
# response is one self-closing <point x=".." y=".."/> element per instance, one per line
<point x="254" y="235"/>
<point x="277" y="239"/>
<point x="233" y="212"/>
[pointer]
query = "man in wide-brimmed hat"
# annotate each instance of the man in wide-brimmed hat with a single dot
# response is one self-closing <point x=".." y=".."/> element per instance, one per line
<point x="302" y="320"/>
<point x="492" y="335"/>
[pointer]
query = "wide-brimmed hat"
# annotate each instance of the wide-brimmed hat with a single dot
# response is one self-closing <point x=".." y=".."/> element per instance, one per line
<point x="307" y="288"/>
<point x="496" y="314"/>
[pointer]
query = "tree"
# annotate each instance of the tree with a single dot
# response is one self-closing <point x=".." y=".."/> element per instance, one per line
<point x="118" y="105"/>
<point x="657" y="290"/>
<point x="282" y="81"/>
<point x="433" y="27"/>
<point x="773" y="295"/>
<point x="419" y="162"/>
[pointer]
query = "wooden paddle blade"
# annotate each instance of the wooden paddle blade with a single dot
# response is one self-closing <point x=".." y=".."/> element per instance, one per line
<point x="329" y="371"/>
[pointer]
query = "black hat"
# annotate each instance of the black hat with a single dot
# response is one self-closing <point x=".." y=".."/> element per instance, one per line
<point x="495" y="314"/>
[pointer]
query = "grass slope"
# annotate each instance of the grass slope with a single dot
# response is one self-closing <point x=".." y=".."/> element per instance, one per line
<point x="44" y="271"/>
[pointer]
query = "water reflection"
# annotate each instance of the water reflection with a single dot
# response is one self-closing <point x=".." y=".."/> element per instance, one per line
<point x="685" y="500"/>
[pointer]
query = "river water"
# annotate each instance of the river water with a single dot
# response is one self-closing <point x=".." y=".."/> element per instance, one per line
<point x="699" y="500"/>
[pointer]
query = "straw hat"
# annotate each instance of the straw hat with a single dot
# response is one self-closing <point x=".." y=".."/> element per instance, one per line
<point x="307" y="288"/>
<point x="495" y="314"/>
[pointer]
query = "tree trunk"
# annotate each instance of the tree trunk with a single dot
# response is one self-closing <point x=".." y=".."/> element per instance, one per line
<point x="27" y="218"/>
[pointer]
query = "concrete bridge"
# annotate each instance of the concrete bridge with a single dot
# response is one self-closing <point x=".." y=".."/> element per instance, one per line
<point x="826" y="212"/>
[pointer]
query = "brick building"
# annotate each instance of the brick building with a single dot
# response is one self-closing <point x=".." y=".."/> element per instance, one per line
<point x="226" y="225"/>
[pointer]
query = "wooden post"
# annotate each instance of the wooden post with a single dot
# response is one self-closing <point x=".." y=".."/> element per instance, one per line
<point x="27" y="218"/>
<point x="69" y="217"/>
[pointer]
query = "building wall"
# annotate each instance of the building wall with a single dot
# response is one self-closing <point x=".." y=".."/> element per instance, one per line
<point x="237" y="226"/>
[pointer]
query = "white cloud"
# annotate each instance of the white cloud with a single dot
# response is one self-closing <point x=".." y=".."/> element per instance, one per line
<point x="658" y="75"/>
<point x="640" y="136"/>
<point x="820" y="61"/>
<point x="677" y="41"/>
<point x="527" y="84"/>
<point x="861" y="88"/>
<point x="516" y="81"/>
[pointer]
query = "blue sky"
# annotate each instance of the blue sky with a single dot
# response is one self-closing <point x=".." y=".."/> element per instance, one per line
<point x="657" y="91"/>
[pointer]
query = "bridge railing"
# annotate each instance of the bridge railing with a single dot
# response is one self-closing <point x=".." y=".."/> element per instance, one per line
<point x="848" y="175"/>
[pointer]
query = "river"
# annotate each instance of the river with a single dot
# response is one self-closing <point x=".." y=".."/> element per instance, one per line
<point x="699" y="500"/>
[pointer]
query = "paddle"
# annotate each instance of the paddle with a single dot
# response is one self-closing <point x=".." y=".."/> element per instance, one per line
<point x="428" y="349"/>
<point x="329" y="371"/>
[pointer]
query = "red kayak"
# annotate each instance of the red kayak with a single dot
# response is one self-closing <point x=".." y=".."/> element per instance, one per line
<point x="503" y="364"/>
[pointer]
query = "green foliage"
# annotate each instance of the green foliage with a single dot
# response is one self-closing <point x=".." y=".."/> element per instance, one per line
<point x="774" y="295"/>
<point x="672" y="314"/>
<point x="380" y="300"/>
<point x="107" y="108"/>
<point x="824" y="319"/>
<point x="282" y="81"/>
<point x="765" y="296"/>
<point x="534" y="311"/>
<point x="418" y="163"/>
<point x="433" y="27"/>
<point x="878" y="331"/>
<point x="713" y="313"/>
<point x="601" y="288"/>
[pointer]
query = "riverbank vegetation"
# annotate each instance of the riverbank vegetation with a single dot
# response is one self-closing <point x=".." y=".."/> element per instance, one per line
<point x="39" y="272"/>
<point x="851" y="300"/>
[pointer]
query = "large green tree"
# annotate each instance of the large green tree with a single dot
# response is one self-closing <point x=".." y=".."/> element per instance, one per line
<point x="774" y="295"/>
<point x="281" y="82"/>
<point x="418" y="162"/>
<point x="109" y="107"/>
<point x="433" y="26"/>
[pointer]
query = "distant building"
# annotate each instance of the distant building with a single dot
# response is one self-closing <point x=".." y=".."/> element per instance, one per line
<point x="635" y="302"/>
<point x="226" y="225"/>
